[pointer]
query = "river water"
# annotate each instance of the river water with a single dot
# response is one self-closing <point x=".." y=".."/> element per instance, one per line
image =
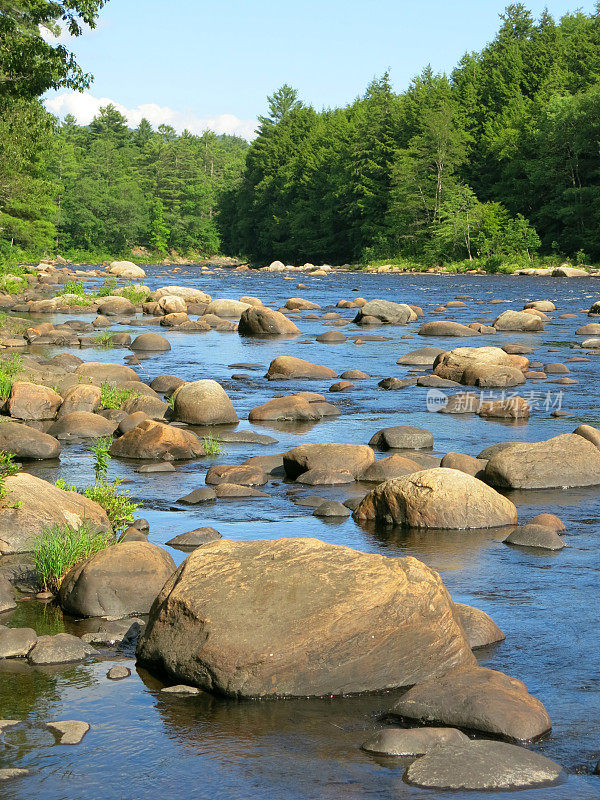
<point x="144" y="745"/>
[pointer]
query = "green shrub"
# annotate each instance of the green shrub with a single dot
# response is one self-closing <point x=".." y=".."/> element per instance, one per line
<point x="134" y="295"/>
<point x="100" y="450"/>
<point x="11" y="284"/>
<point x="107" y="288"/>
<point x="118" y="505"/>
<point x="103" y="340"/>
<point x="212" y="445"/>
<point x="60" y="547"/>
<point x="7" y="467"/>
<point x="9" y="367"/>
<point x="113" y="397"/>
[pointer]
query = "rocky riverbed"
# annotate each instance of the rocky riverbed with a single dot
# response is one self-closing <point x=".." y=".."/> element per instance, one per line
<point x="359" y="466"/>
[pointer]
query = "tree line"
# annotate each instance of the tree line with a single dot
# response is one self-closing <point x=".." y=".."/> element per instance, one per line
<point x="496" y="162"/>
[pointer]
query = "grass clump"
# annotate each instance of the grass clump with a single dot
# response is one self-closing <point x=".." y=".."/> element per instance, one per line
<point x="7" y="467"/>
<point x="76" y="294"/>
<point x="60" y="547"/>
<point x="107" y="288"/>
<point x="212" y="445"/>
<point x="113" y="397"/>
<point x="9" y="367"/>
<point x="134" y="295"/>
<point x="104" y="340"/>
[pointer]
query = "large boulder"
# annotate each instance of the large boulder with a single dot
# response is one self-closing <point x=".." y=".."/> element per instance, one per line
<point x="518" y="321"/>
<point x="150" y="342"/>
<point x="122" y="580"/>
<point x="258" y="321"/>
<point x="563" y="461"/>
<point x="452" y="364"/>
<point x="172" y="304"/>
<point x="353" y="458"/>
<point x="33" y="504"/>
<point x="152" y="440"/>
<point x="204" y="402"/>
<point x="126" y="269"/>
<point x="27" y="443"/>
<point x="32" y="401"/>
<point x="284" y="367"/>
<point x="436" y="498"/>
<point x="81" y="397"/>
<point x="479" y="699"/>
<point x="387" y="312"/>
<point x="298" y="617"/>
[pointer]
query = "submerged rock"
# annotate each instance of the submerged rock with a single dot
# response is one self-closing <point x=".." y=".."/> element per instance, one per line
<point x="68" y="731"/>
<point x="355" y="622"/>
<point x="411" y="742"/>
<point x="352" y="458"/>
<point x="483" y="766"/>
<point x="532" y="535"/>
<point x="63" y="648"/>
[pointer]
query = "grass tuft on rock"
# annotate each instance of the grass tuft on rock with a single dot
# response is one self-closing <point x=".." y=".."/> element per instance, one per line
<point x="61" y="547"/>
<point x="9" y="367"/>
<point x="212" y="445"/>
<point x="113" y="397"/>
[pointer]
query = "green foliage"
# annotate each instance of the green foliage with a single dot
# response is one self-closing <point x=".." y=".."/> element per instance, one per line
<point x="59" y="548"/>
<point x="159" y="233"/>
<point x="9" y="367"/>
<point x="212" y="445"/>
<point x="113" y="397"/>
<point x="7" y="467"/>
<point x="107" y="288"/>
<point x="104" y="340"/>
<point x="71" y="287"/>
<point x="134" y="295"/>
<point x="117" y="504"/>
<point x="100" y="450"/>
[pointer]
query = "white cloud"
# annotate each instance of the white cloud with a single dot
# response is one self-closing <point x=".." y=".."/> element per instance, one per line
<point x="84" y="107"/>
<point x="64" y="36"/>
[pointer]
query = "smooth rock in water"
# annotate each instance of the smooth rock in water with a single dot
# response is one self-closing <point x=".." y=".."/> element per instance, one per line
<point x="162" y="466"/>
<point x="353" y="458"/>
<point x="180" y="688"/>
<point x="166" y="384"/>
<point x="479" y="699"/>
<point x="7" y="595"/>
<point x="549" y="520"/>
<point x="354" y="375"/>
<point x="331" y="337"/>
<point x="242" y="474"/>
<point x="355" y="622"/>
<point x="386" y="312"/>
<point x="82" y="397"/>
<point x="118" y="673"/>
<point x="196" y="538"/>
<point x="27" y="443"/>
<point x="32" y="401"/>
<point x="284" y="367"/>
<point x="443" y="327"/>
<point x="325" y="477"/>
<point x="152" y="440"/>
<point x="235" y="491"/>
<point x="532" y="535"/>
<point x="115" y="306"/>
<point x="300" y="407"/>
<point x="391" y="467"/>
<point x="453" y="363"/>
<point x="16" y="642"/>
<point x="204" y="402"/>
<point x="541" y="305"/>
<point x="587" y="431"/>
<point x="437" y="498"/>
<point x="341" y="386"/>
<point x="258" y="321"/>
<point x="126" y="269"/>
<point x="411" y="742"/>
<point x="513" y="408"/>
<point x="402" y="437"/>
<point x="150" y="342"/>
<point x="35" y="505"/>
<point x="518" y="321"/>
<point x="331" y="508"/>
<point x="121" y="580"/>
<point x="222" y="307"/>
<point x="480" y="628"/>
<point x="111" y="373"/>
<point x="63" y="648"/>
<point x="464" y="463"/>
<point x="563" y="461"/>
<point x="203" y="495"/>
<point x="423" y="357"/>
<point x="82" y="425"/>
<point x="68" y="731"/>
<point x="483" y="766"/>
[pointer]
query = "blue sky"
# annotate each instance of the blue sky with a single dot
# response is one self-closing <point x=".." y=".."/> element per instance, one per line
<point x="211" y="64"/>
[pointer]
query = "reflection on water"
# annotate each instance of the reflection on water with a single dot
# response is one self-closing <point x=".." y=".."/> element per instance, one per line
<point x="144" y="744"/>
